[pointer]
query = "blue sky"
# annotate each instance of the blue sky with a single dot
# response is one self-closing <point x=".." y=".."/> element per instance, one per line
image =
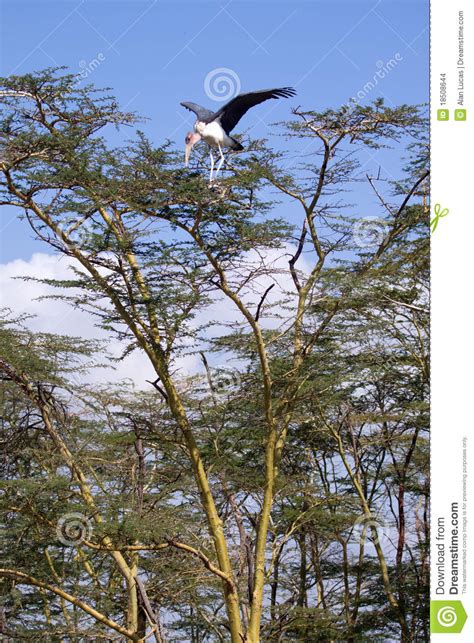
<point x="156" y="53"/>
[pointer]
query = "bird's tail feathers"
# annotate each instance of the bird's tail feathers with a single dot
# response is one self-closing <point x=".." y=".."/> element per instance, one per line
<point x="236" y="146"/>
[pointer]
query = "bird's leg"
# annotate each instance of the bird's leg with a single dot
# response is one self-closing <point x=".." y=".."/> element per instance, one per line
<point x="219" y="165"/>
<point x="212" y="166"/>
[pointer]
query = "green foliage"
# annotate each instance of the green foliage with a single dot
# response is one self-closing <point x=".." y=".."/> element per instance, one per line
<point x="156" y="257"/>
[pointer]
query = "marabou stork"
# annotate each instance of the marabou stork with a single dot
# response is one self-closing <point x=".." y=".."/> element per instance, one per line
<point x="215" y="127"/>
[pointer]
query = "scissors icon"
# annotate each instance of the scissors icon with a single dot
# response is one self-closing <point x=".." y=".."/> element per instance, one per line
<point x="438" y="215"/>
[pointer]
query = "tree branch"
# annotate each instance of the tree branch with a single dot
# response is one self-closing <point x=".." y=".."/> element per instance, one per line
<point x="25" y="579"/>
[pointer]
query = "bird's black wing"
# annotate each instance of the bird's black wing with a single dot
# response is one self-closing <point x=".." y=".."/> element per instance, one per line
<point x="202" y="113"/>
<point x="232" y="112"/>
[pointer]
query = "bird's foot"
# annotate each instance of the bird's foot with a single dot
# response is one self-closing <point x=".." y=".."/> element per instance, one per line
<point x="219" y="190"/>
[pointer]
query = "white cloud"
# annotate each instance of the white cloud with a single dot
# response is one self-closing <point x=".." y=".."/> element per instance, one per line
<point x="275" y="270"/>
<point x="53" y="316"/>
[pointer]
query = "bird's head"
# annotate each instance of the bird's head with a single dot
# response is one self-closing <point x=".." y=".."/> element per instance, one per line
<point x="191" y="139"/>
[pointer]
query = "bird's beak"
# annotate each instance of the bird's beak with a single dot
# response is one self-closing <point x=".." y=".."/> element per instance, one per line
<point x="187" y="153"/>
<point x="195" y="138"/>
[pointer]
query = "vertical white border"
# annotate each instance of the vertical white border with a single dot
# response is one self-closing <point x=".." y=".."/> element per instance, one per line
<point x="452" y="271"/>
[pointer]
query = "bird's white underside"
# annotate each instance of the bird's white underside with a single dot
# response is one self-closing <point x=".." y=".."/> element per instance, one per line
<point x="213" y="134"/>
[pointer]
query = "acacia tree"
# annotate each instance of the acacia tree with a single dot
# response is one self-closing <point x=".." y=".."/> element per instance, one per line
<point x="352" y="490"/>
<point x="152" y="247"/>
<point x="374" y="430"/>
<point x="76" y="461"/>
